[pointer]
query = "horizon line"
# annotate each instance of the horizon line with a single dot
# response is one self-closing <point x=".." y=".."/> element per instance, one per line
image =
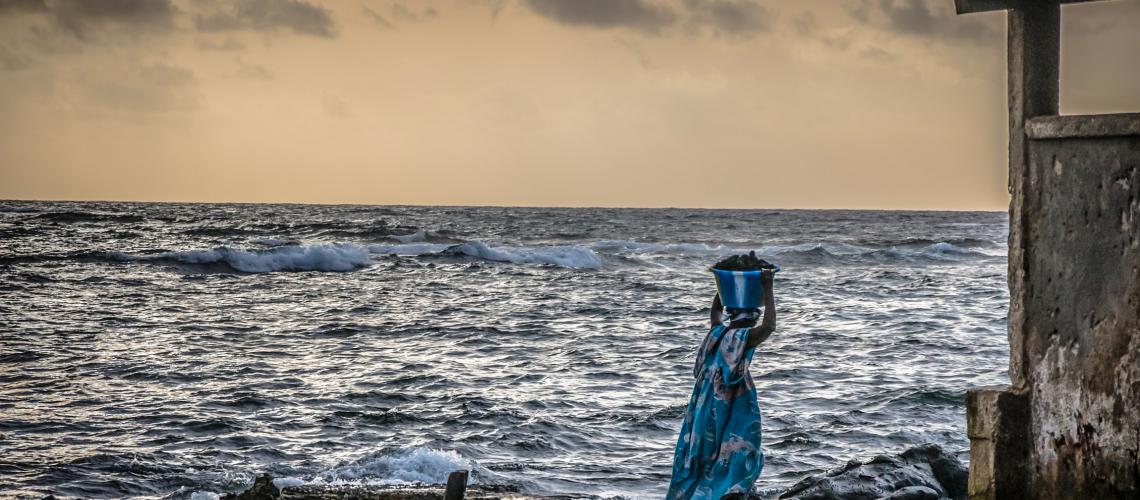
<point x="583" y="207"/>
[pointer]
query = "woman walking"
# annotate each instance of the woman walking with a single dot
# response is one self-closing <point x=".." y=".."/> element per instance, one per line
<point x="718" y="452"/>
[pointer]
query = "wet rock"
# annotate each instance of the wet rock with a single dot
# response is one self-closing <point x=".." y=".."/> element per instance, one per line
<point x="920" y="473"/>
<point x="263" y="489"/>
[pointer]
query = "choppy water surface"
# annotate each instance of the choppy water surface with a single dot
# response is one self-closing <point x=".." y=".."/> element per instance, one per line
<point x="168" y="349"/>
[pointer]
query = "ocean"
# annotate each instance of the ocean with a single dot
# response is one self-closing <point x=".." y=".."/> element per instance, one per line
<point x="177" y="350"/>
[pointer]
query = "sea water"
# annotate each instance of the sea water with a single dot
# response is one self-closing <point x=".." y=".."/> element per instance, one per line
<point x="181" y="349"/>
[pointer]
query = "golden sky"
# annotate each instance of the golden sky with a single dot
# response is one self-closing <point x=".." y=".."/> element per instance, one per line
<point x="690" y="103"/>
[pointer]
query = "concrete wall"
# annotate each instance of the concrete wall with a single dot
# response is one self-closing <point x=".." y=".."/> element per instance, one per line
<point x="1081" y="333"/>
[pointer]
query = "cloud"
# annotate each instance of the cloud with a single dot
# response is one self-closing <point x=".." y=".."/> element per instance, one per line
<point x="335" y="106"/>
<point x="23" y="5"/>
<point x="155" y="88"/>
<point x="252" y="71"/>
<point x="406" y="14"/>
<point x="269" y="15"/>
<point x="877" y="54"/>
<point x="729" y="17"/>
<point x="12" y="61"/>
<point x="736" y="18"/>
<point x="635" y="14"/>
<point x="805" y="24"/>
<point x="379" y="18"/>
<point x="397" y="13"/>
<point x="226" y="45"/>
<point x="77" y="16"/>
<point x="924" y="18"/>
<point x="642" y="56"/>
<point x="165" y="75"/>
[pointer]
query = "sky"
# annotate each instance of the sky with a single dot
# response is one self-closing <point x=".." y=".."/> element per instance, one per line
<point x="890" y="104"/>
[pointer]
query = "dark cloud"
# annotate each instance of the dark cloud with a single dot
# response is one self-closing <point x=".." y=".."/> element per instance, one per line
<point x="636" y="14"/>
<point x="77" y="16"/>
<point x="730" y="17"/>
<point x="926" y="18"/>
<point x="723" y="17"/>
<point x="268" y="15"/>
<point x="23" y="5"/>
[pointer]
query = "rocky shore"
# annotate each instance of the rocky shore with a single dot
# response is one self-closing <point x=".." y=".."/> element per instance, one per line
<point x="924" y="472"/>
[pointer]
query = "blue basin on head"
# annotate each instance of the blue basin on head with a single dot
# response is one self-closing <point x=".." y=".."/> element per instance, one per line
<point x="740" y="289"/>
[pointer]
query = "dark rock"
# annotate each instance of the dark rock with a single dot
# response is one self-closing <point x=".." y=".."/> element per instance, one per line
<point x="263" y="489"/>
<point x="922" y="472"/>
<point x="914" y="493"/>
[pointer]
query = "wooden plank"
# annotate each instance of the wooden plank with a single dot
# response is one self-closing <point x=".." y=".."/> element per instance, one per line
<point x="1064" y="127"/>
<point x="974" y="6"/>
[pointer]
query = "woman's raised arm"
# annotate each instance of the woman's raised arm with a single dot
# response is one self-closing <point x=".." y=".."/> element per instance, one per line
<point x="714" y="313"/>
<point x="759" y="334"/>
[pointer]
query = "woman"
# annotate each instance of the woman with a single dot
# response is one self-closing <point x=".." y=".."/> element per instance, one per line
<point x="718" y="452"/>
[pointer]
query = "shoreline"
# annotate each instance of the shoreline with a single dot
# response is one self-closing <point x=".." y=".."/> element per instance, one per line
<point x="924" y="472"/>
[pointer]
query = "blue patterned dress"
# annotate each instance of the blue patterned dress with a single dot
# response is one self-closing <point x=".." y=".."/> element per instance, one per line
<point x="718" y="451"/>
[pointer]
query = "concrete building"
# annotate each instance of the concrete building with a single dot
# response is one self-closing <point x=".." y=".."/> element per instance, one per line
<point x="1068" y="426"/>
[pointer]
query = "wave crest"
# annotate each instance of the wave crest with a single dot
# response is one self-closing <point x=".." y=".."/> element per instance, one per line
<point x="323" y="257"/>
<point x="938" y="251"/>
<point x="568" y="256"/>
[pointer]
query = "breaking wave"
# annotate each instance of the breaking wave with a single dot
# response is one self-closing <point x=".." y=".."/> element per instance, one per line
<point x="404" y="466"/>
<point x="324" y="257"/>
<point x="568" y="256"/>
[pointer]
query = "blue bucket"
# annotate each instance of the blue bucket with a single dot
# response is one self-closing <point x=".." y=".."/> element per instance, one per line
<point x="740" y="289"/>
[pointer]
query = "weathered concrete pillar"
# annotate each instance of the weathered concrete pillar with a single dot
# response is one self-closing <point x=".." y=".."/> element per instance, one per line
<point x="997" y="423"/>
<point x="1034" y="58"/>
<point x="1068" y="427"/>
<point x="998" y="418"/>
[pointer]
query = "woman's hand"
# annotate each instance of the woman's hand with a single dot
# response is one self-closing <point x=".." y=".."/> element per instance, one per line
<point x="766" y="278"/>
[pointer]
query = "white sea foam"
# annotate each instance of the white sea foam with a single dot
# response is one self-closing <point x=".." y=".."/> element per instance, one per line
<point x="575" y="257"/>
<point x="638" y="247"/>
<point x="283" y="482"/>
<point x="204" y="495"/>
<point x="417" y="465"/>
<point x="323" y="257"/>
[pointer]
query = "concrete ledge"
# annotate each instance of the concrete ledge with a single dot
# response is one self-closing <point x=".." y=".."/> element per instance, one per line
<point x="1070" y="126"/>
<point x="997" y="422"/>
<point x="974" y="6"/>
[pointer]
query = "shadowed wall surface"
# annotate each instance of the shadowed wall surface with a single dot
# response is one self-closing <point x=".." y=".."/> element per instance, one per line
<point x="1083" y="315"/>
